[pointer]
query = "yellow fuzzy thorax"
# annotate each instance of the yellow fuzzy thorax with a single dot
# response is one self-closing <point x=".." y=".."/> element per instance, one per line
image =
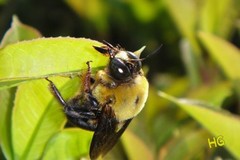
<point x="128" y="99"/>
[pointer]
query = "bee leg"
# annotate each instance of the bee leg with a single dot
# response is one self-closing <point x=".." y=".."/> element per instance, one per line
<point x="56" y="92"/>
<point x="82" y="116"/>
<point x="87" y="79"/>
<point x="88" y="97"/>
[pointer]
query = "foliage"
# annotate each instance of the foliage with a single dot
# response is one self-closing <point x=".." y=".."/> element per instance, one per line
<point x="31" y="121"/>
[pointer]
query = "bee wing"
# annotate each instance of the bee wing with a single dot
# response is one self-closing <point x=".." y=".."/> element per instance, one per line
<point x="107" y="133"/>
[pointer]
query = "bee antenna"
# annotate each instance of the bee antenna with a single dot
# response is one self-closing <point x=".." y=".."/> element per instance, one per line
<point x="108" y="44"/>
<point x="153" y="53"/>
<point x="149" y="55"/>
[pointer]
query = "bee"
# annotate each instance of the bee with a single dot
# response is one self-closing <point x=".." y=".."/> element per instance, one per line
<point x="109" y="100"/>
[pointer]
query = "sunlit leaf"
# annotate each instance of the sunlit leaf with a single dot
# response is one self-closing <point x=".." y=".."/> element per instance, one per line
<point x="214" y="94"/>
<point x="148" y="7"/>
<point x="36" y="117"/>
<point x="190" y="63"/>
<point x="94" y="10"/>
<point x="175" y="86"/>
<point x="218" y="17"/>
<point x="165" y="125"/>
<point x="16" y="33"/>
<point x="6" y="99"/>
<point x="135" y="148"/>
<point x="186" y="145"/>
<point x="218" y="122"/>
<point x="68" y="144"/>
<point x="47" y="56"/>
<point x="225" y="54"/>
<point x="19" y="32"/>
<point x="184" y="13"/>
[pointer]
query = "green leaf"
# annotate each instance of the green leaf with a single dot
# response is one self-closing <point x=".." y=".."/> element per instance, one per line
<point x="19" y="32"/>
<point x="174" y="86"/>
<point x="218" y="122"/>
<point x="6" y="99"/>
<point x="43" y="57"/>
<point x="150" y="10"/>
<point x="2" y="2"/>
<point x="214" y="94"/>
<point x="68" y="144"/>
<point x="94" y="11"/>
<point x="36" y="117"/>
<point x="186" y="21"/>
<point x="188" y="145"/>
<point x="134" y="146"/>
<point x="225" y="54"/>
<point x="218" y="17"/>
<point x="190" y="62"/>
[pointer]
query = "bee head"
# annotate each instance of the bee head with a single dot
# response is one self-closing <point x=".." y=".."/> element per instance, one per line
<point x="123" y="65"/>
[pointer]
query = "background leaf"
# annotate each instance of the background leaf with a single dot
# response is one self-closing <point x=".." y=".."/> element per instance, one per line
<point x="218" y="122"/>
<point x="19" y="32"/>
<point x="183" y="146"/>
<point x="185" y="22"/>
<point x="134" y="146"/>
<point x="214" y="13"/>
<point x="225" y="54"/>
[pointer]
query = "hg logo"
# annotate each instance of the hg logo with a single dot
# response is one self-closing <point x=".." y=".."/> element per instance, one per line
<point x="216" y="141"/>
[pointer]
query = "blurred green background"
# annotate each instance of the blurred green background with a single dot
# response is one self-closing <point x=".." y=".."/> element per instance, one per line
<point x="199" y="60"/>
<point x="131" y="24"/>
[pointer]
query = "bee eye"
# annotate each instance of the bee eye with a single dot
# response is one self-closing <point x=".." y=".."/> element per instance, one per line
<point x="118" y="69"/>
<point x="137" y="65"/>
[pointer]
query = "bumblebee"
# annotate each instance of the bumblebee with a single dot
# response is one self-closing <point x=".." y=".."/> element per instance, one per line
<point x="109" y="100"/>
